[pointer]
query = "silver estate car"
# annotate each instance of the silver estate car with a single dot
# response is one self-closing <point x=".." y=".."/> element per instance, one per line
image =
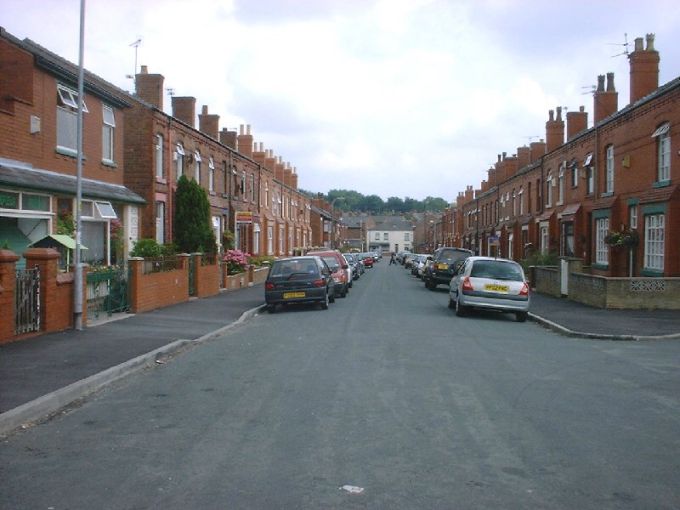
<point x="489" y="283"/>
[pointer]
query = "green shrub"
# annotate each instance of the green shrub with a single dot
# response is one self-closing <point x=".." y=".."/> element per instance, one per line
<point x="147" y="248"/>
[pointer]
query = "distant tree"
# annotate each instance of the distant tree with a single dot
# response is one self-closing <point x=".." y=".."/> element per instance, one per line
<point x="372" y="204"/>
<point x="435" y="204"/>
<point x="192" y="226"/>
<point x="395" y="204"/>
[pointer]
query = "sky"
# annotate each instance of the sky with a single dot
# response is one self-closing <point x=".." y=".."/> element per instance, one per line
<point x="397" y="98"/>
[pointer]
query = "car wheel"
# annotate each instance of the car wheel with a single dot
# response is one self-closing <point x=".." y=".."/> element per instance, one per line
<point x="271" y="308"/>
<point x="331" y="296"/>
<point x="324" y="303"/>
<point x="461" y="310"/>
<point x="344" y="292"/>
<point x="521" y="316"/>
<point x="430" y="285"/>
<point x="452" y="304"/>
<point x="351" y="283"/>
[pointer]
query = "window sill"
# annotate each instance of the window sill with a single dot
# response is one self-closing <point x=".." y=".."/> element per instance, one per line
<point x="212" y="193"/>
<point x="161" y="180"/>
<point x="661" y="184"/>
<point x="654" y="273"/>
<point x="603" y="267"/>
<point x="608" y="194"/>
<point x="109" y="163"/>
<point x="65" y="151"/>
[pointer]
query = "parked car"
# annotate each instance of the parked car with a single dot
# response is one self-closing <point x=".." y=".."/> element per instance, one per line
<point x="353" y="264"/>
<point x="418" y="264"/>
<point x="441" y="269"/>
<point x="367" y="259"/>
<point x="340" y="269"/>
<point x="299" y="280"/>
<point x="489" y="283"/>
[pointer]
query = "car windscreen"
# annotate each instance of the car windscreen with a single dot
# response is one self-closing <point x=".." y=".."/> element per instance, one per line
<point x="451" y="256"/>
<point x="497" y="270"/>
<point x="286" y="268"/>
<point x="332" y="263"/>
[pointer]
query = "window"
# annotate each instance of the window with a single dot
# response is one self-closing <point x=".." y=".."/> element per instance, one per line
<point x="407" y="236"/>
<point x="521" y="201"/>
<point x="601" y="248"/>
<point x="560" y="186"/>
<point x="609" y="175"/>
<point x="197" y="167"/>
<point x="108" y="128"/>
<point x="544" y="238"/>
<point x="510" y="246"/>
<point x="252" y="188"/>
<point x="633" y="216"/>
<point x="377" y="236"/>
<point x="160" y="222"/>
<point x="105" y="210"/>
<point x="67" y="119"/>
<point x="549" y="183"/>
<point x="514" y="204"/>
<point x="179" y="161"/>
<point x="386" y="236"/>
<point x="242" y="185"/>
<point x="574" y="174"/>
<point x="256" y="239"/>
<point x="663" y="144"/>
<point x="654" y="241"/>
<point x="159" y="157"/>
<point x="211" y="175"/>
<point x="270" y="240"/>
<point x="590" y="180"/>
<point x="225" y="176"/>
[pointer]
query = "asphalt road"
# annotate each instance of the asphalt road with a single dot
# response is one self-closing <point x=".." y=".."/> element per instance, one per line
<point x="388" y="392"/>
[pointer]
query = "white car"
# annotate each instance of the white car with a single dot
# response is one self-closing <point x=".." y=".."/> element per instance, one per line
<point x="491" y="284"/>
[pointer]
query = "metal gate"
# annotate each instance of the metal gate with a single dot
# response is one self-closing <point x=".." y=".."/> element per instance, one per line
<point x="27" y="317"/>
<point x="192" y="275"/>
<point x="107" y="291"/>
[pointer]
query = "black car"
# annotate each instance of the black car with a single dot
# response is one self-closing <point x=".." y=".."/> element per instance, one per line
<point x="441" y="269"/>
<point x="299" y="280"/>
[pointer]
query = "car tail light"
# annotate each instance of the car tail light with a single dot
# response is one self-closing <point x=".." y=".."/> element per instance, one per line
<point x="269" y="286"/>
<point x="319" y="283"/>
<point x="525" y="290"/>
<point x="467" y="284"/>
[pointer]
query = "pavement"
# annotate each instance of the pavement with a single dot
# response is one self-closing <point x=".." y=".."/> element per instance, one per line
<point x="42" y="376"/>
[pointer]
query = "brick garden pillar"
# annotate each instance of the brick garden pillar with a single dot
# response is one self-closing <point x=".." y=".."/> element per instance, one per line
<point x="8" y="285"/>
<point x="136" y="270"/>
<point x="47" y="260"/>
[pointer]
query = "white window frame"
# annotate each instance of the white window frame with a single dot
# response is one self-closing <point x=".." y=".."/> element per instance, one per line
<point x="160" y="222"/>
<point x="560" y="185"/>
<point x="211" y="175"/>
<point x="609" y="174"/>
<point x="655" y="239"/>
<point x="160" y="174"/>
<point x="197" y="167"/>
<point x="105" y="210"/>
<point x="633" y="216"/>
<point x="270" y="239"/>
<point x="663" y="141"/>
<point x="179" y="160"/>
<point x="549" y="183"/>
<point x="108" y="132"/>
<point x="601" y="247"/>
<point x="67" y="119"/>
<point x="544" y="237"/>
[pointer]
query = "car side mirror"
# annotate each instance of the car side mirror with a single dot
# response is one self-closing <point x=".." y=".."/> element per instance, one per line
<point x="429" y="257"/>
<point x="345" y="266"/>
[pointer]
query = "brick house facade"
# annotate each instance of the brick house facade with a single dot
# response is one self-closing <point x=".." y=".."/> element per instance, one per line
<point x="576" y="196"/>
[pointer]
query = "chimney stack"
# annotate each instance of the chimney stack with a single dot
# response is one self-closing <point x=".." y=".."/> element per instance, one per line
<point x="294" y="179"/>
<point x="244" y="141"/>
<point x="523" y="156"/>
<point x="209" y="123"/>
<point x="537" y="150"/>
<point x="149" y="87"/>
<point x="554" y="130"/>
<point x="228" y="138"/>
<point x="644" y="69"/>
<point x="184" y="109"/>
<point x="576" y="122"/>
<point x="606" y="102"/>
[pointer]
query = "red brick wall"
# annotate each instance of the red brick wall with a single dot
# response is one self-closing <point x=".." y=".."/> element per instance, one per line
<point x="156" y="290"/>
<point x="206" y="278"/>
<point x="7" y="291"/>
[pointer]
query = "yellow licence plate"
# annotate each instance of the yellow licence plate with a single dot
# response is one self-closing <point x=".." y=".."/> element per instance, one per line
<point x="293" y="295"/>
<point x="496" y="288"/>
<point x="442" y="266"/>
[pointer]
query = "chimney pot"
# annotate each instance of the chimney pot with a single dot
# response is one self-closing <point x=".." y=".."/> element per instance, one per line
<point x="144" y="70"/>
<point x="610" y="82"/>
<point x="650" y="42"/>
<point x="600" y="83"/>
<point x="639" y="44"/>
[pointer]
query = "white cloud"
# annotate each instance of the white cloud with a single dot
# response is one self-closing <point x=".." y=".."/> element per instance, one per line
<point x="388" y="97"/>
